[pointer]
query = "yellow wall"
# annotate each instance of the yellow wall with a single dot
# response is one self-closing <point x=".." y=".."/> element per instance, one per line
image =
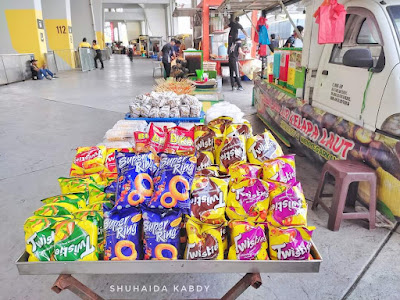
<point x="25" y="35"/>
<point x="60" y="40"/>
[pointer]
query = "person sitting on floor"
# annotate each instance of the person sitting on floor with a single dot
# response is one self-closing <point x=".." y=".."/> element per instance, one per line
<point x="40" y="73"/>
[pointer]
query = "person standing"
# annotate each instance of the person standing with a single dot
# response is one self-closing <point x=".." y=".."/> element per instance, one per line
<point x="168" y="54"/>
<point x="234" y="52"/>
<point x="294" y="40"/>
<point x="234" y="32"/>
<point x="274" y="43"/>
<point x="84" y="44"/>
<point x="98" y="55"/>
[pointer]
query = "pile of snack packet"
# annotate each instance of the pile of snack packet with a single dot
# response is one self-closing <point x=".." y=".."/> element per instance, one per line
<point x="165" y="105"/>
<point x="208" y="192"/>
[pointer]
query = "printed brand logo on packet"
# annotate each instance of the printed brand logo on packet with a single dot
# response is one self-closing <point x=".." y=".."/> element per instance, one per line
<point x="248" y="196"/>
<point x="202" y="143"/>
<point x="180" y="140"/>
<point x="263" y="149"/>
<point x="41" y="239"/>
<point x="179" y="165"/>
<point x="248" y="244"/>
<point x="87" y="155"/>
<point x="120" y="227"/>
<point x="159" y="230"/>
<point x="209" y="200"/>
<point x="287" y="251"/>
<point x="210" y="252"/>
<point x="141" y="163"/>
<point x="76" y="248"/>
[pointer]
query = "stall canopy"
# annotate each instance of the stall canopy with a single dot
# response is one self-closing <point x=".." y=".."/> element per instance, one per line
<point x="241" y="6"/>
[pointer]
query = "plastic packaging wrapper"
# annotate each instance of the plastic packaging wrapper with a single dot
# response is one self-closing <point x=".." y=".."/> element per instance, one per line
<point x="145" y="111"/>
<point x="290" y="243"/>
<point x="88" y="160"/>
<point x="119" y="134"/>
<point x="280" y="169"/>
<point x="157" y="137"/>
<point x="224" y="109"/>
<point x="164" y="112"/>
<point x="154" y="112"/>
<point x="135" y="109"/>
<point x="189" y="100"/>
<point x="262" y="147"/>
<point x="185" y="111"/>
<point x="175" y="113"/>
<point x="116" y="144"/>
<point x="229" y="150"/>
<point x="174" y="101"/>
<point x="204" y="242"/>
<point x="204" y="138"/>
<point x="187" y="126"/>
<point x="136" y="125"/>
<point x="248" y="241"/>
<point x="179" y="141"/>
<point x="195" y="110"/>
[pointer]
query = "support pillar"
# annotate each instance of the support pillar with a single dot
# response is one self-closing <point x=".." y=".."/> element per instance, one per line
<point x="57" y="20"/>
<point x="254" y="15"/>
<point x="98" y="14"/>
<point x="82" y="21"/>
<point x="22" y="28"/>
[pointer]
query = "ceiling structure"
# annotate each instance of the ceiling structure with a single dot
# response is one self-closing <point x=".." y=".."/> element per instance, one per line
<point x="242" y="6"/>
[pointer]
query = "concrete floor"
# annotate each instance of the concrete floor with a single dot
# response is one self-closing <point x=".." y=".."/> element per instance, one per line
<point x="41" y="122"/>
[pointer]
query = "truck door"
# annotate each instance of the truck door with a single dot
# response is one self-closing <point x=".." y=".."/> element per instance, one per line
<point x="344" y="84"/>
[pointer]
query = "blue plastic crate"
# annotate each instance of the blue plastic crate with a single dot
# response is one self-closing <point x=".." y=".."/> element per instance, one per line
<point x="174" y="120"/>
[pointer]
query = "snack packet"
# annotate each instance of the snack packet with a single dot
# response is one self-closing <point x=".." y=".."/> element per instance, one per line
<point x="88" y="160"/>
<point x="161" y="230"/>
<point x="55" y="210"/>
<point x="220" y="123"/>
<point x="203" y="242"/>
<point x="262" y="147"/>
<point x="240" y="171"/>
<point x="229" y="150"/>
<point x="212" y="170"/>
<point x="141" y="142"/>
<point x="248" y="200"/>
<point x="204" y="159"/>
<point x="207" y="200"/>
<point x="78" y="200"/>
<point x="290" y="243"/>
<point x="96" y="217"/>
<point x="135" y="182"/>
<point x="204" y="138"/>
<point x="122" y="231"/>
<point x="179" y="140"/>
<point x="244" y="129"/>
<point x="288" y="206"/>
<point x="172" y="182"/>
<point x="110" y="165"/>
<point x="280" y="169"/>
<point x="75" y="185"/>
<point x="76" y="240"/>
<point x="248" y="241"/>
<point x="39" y="237"/>
<point x="99" y="206"/>
<point x="157" y="138"/>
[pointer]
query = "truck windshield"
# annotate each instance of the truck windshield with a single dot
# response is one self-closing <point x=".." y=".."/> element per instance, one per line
<point x="394" y="12"/>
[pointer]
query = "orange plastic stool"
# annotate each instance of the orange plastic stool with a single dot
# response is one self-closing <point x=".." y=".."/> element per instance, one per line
<point x="345" y="172"/>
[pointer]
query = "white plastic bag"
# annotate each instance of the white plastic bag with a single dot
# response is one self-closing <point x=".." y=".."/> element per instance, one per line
<point x="224" y="109"/>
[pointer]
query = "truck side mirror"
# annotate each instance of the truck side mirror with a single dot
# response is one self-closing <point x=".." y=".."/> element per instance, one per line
<point x="359" y="58"/>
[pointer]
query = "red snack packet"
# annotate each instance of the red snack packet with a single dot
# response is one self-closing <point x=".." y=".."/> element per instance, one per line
<point x="179" y="140"/>
<point x="141" y="141"/>
<point x="157" y="138"/>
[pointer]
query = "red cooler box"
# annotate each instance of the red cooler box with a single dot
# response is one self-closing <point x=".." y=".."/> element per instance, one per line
<point x="284" y="68"/>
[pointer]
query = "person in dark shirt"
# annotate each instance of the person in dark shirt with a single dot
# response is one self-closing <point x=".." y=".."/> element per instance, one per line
<point x="40" y="73"/>
<point x="291" y="40"/>
<point x="168" y="54"/>
<point x="96" y="48"/>
<point x="234" y="51"/>
<point x="274" y="43"/>
<point x="234" y="32"/>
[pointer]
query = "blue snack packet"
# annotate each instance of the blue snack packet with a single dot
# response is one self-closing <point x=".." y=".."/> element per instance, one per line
<point x="134" y="182"/>
<point x="173" y="181"/>
<point x="161" y="230"/>
<point x="122" y="231"/>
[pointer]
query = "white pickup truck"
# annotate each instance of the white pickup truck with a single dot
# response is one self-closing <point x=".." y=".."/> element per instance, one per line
<point x="350" y="107"/>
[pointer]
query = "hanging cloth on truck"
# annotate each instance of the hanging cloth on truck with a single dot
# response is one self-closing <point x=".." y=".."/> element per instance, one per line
<point x="261" y="35"/>
<point x="331" y="17"/>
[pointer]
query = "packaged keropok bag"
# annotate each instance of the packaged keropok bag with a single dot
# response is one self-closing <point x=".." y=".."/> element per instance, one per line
<point x="208" y="200"/>
<point x="248" y="241"/>
<point x="157" y="138"/>
<point x="179" y="140"/>
<point x="204" y="138"/>
<point x="248" y="200"/>
<point x="135" y="182"/>
<point x="78" y="200"/>
<point x="141" y="142"/>
<point x="172" y="182"/>
<point x="39" y="237"/>
<point x="88" y="160"/>
<point x="241" y="170"/>
<point x="123" y="235"/>
<point x="244" y="129"/>
<point x="280" y="169"/>
<point x="86" y="184"/>
<point x="290" y="243"/>
<point x="203" y="242"/>
<point x="161" y="229"/>
<point x="228" y="150"/>
<point x="262" y="147"/>
<point x="99" y="206"/>
<point x="110" y="165"/>
<point x="220" y="124"/>
<point x="76" y="240"/>
<point x="56" y="210"/>
<point x="96" y="217"/>
<point x="288" y="205"/>
<point x="212" y="170"/>
<point x="204" y="159"/>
